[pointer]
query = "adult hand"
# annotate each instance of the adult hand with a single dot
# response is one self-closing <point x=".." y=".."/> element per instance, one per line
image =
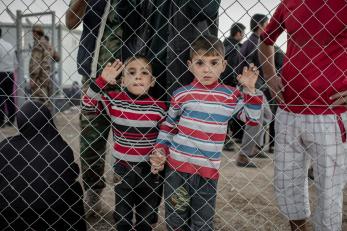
<point x="276" y="88"/>
<point x="340" y="99"/>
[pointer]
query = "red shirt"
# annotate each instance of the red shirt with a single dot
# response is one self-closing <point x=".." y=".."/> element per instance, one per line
<point x="315" y="66"/>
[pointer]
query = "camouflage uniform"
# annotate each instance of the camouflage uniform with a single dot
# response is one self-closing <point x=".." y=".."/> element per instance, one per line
<point x="95" y="128"/>
<point x="40" y="71"/>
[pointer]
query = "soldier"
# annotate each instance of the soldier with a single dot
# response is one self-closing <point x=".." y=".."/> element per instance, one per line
<point x="40" y="68"/>
<point x="100" y="44"/>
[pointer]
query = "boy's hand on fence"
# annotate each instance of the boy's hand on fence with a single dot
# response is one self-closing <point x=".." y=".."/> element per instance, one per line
<point x="112" y="71"/>
<point x="249" y="78"/>
<point x="157" y="159"/>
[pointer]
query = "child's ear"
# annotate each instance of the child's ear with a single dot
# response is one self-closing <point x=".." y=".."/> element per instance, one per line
<point x="189" y="63"/>
<point x="153" y="82"/>
<point x="225" y="63"/>
<point x="122" y="82"/>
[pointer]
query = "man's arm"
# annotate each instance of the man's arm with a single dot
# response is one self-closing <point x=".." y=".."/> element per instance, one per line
<point x="75" y="13"/>
<point x="267" y="61"/>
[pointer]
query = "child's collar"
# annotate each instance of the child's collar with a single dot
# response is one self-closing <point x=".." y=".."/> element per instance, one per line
<point x="196" y="83"/>
<point x="137" y="97"/>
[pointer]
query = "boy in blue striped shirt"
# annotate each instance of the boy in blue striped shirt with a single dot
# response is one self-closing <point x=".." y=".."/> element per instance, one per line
<point x="192" y="137"/>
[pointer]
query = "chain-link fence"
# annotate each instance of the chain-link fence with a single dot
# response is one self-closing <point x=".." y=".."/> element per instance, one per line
<point x="145" y="114"/>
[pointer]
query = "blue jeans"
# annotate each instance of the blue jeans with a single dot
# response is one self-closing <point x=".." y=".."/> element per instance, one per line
<point x="190" y="201"/>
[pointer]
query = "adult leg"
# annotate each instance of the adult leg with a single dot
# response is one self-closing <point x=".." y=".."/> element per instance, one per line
<point x="291" y="162"/>
<point x="328" y="151"/>
<point x="93" y="140"/>
<point x="252" y="136"/>
<point x="177" y="200"/>
<point x="203" y="203"/>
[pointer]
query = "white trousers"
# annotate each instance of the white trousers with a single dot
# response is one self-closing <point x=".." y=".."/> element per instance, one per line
<point x="320" y="139"/>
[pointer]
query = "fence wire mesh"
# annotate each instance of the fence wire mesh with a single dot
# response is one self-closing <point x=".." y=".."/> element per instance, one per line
<point x="142" y="115"/>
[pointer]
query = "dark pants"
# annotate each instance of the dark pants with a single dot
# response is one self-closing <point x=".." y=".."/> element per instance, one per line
<point x="136" y="190"/>
<point x="6" y="98"/>
<point x="190" y="201"/>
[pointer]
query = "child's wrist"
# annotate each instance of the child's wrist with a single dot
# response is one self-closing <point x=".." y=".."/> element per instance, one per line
<point x="249" y="90"/>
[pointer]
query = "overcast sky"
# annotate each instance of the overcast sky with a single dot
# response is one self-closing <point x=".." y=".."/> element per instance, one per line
<point x="230" y="11"/>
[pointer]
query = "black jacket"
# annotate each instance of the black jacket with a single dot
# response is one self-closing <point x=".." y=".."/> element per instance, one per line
<point x="163" y="30"/>
<point x="188" y="20"/>
<point x="38" y="187"/>
<point x="249" y="54"/>
<point x="232" y="55"/>
<point x="145" y="31"/>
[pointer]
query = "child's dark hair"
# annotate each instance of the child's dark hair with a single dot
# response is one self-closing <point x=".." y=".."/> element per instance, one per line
<point x="208" y="44"/>
<point x="139" y="57"/>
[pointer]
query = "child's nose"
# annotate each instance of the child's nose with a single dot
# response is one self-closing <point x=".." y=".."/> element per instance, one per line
<point x="207" y="68"/>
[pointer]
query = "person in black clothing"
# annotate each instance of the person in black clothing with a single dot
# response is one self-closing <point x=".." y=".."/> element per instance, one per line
<point x="38" y="186"/>
<point x="232" y="46"/>
<point x="8" y="61"/>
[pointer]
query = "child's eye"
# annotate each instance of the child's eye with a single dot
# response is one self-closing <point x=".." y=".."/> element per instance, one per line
<point x="132" y="72"/>
<point x="214" y="63"/>
<point x="199" y="63"/>
<point x="145" y="73"/>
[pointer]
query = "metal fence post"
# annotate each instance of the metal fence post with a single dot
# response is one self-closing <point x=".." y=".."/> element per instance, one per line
<point x="20" y="80"/>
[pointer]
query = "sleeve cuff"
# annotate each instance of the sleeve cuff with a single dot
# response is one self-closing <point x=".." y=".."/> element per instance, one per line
<point x="163" y="146"/>
<point x="256" y="98"/>
<point x="100" y="82"/>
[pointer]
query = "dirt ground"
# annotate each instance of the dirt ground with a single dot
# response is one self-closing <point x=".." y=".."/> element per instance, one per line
<point x="245" y="200"/>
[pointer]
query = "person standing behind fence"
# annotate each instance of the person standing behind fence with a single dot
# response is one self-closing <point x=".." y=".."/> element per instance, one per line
<point x="187" y="21"/>
<point x="135" y="118"/>
<point x="310" y="124"/>
<point x="193" y="134"/>
<point x="8" y="61"/>
<point x="100" y="43"/>
<point x="253" y="136"/>
<point x="38" y="176"/>
<point x="232" y="46"/>
<point x="145" y="31"/>
<point x="40" y="68"/>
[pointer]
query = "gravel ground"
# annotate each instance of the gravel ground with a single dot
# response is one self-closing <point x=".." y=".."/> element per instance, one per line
<point x="245" y="196"/>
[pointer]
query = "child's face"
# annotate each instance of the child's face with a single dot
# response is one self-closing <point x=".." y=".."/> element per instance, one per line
<point x="206" y="68"/>
<point x="138" y="77"/>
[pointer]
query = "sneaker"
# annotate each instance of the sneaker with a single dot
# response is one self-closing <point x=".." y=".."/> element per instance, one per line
<point x="93" y="202"/>
<point x="258" y="153"/>
<point x="228" y="147"/>
<point x="244" y="162"/>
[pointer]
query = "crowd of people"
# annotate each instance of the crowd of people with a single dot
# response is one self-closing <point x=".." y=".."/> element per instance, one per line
<point x="173" y="95"/>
